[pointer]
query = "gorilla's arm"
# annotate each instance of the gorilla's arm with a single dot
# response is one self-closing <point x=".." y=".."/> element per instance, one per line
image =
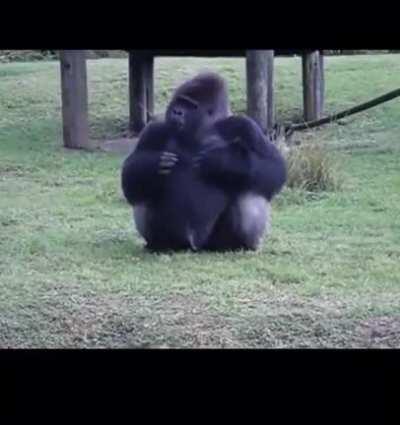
<point x="267" y="173"/>
<point x="236" y="170"/>
<point x="247" y="162"/>
<point x="142" y="174"/>
<point x="226" y="167"/>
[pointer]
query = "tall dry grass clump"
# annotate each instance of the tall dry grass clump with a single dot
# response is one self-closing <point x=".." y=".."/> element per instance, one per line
<point x="312" y="167"/>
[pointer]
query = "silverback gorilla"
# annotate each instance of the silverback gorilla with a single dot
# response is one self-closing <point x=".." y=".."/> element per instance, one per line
<point x="202" y="179"/>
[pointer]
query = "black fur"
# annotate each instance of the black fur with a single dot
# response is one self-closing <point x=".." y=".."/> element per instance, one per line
<point x="159" y="178"/>
<point x="189" y="175"/>
<point x="239" y="159"/>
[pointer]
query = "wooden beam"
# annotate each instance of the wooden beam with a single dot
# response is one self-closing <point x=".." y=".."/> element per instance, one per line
<point x="74" y="99"/>
<point x="214" y="53"/>
<point x="259" y="70"/>
<point x="149" y="77"/>
<point x="313" y="85"/>
<point x="141" y="90"/>
<point x="322" y="77"/>
<point x="270" y="90"/>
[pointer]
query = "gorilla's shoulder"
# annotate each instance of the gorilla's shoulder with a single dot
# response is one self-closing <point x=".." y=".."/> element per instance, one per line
<point x="236" y="121"/>
<point x="155" y="128"/>
<point x="154" y="136"/>
<point x="235" y="125"/>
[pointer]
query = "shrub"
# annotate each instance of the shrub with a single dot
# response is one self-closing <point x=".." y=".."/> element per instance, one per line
<point x="37" y="55"/>
<point x="26" y="55"/>
<point x="312" y="168"/>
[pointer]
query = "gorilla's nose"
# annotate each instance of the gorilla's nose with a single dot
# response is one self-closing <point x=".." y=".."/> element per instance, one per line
<point x="178" y="116"/>
<point x="177" y="112"/>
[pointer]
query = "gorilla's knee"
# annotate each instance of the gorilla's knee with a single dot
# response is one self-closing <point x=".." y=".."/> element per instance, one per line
<point x="253" y="220"/>
<point x="140" y="213"/>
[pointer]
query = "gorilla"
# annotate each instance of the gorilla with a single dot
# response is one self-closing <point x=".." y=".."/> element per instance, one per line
<point x="239" y="159"/>
<point x="202" y="179"/>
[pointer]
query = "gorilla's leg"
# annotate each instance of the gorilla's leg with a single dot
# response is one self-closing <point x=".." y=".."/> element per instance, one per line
<point x="140" y="215"/>
<point x="253" y="221"/>
<point x="243" y="225"/>
<point x="157" y="239"/>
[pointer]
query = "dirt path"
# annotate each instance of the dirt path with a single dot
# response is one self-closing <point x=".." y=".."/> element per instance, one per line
<point x="121" y="146"/>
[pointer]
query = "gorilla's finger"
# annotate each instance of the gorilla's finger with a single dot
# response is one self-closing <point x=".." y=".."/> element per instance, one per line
<point x="206" y="151"/>
<point x="166" y="163"/>
<point x="169" y="155"/>
<point x="201" y="156"/>
<point x="164" y="170"/>
<point x="197" y="160"/>
<point x="168" y="160"/>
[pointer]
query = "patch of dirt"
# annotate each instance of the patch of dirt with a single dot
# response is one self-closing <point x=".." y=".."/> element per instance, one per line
<point x="296" y="322"/>
<point x="122" y="146"/>
<point x="64" y="317"/>
<point x="62" y="321"/>
<point x="14" y="171"/>
<point x="381" y="331"/>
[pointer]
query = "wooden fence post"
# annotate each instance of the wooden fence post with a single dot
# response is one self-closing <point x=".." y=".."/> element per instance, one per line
<point x="313" y="85"/>
<point x="74" y="99"/>
<point x="270" y="89"/>
<point x="260" y="101"/>
<point x="141" y="90"/>
<point x="322" y="77"/>
<point x="149" y="76"/>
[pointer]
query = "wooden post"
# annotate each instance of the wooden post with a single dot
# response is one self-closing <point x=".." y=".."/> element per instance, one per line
<point x="141" y="90"/>
<point x="149" y="71"/>
<point x="322" y="77"/>
<point x="270" y="90"/>
<point x="74" y="99"/>
<point x="259" y="70"/>
<point x="313" y="85"/>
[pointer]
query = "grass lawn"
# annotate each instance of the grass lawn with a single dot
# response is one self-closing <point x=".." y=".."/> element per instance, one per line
<point x="73" y="272"/>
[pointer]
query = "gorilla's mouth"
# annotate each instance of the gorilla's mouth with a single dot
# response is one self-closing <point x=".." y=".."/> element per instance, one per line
<point x="178" y="125"/>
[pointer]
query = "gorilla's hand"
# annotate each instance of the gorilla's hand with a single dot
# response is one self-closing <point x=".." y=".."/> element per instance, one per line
<point x="223" y="165"/>
<point x="209" y="155"/>
<point x="219" y="159"/>
<point x="167" y="161"/>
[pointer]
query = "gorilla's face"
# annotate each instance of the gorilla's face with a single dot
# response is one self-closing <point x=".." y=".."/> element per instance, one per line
<point x="198" y="104"/>
<point x="184" y="114"/>
<point x="190" y="116"/>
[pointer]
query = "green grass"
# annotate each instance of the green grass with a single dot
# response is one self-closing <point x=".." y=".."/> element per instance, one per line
<point x="73" y="272"/>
